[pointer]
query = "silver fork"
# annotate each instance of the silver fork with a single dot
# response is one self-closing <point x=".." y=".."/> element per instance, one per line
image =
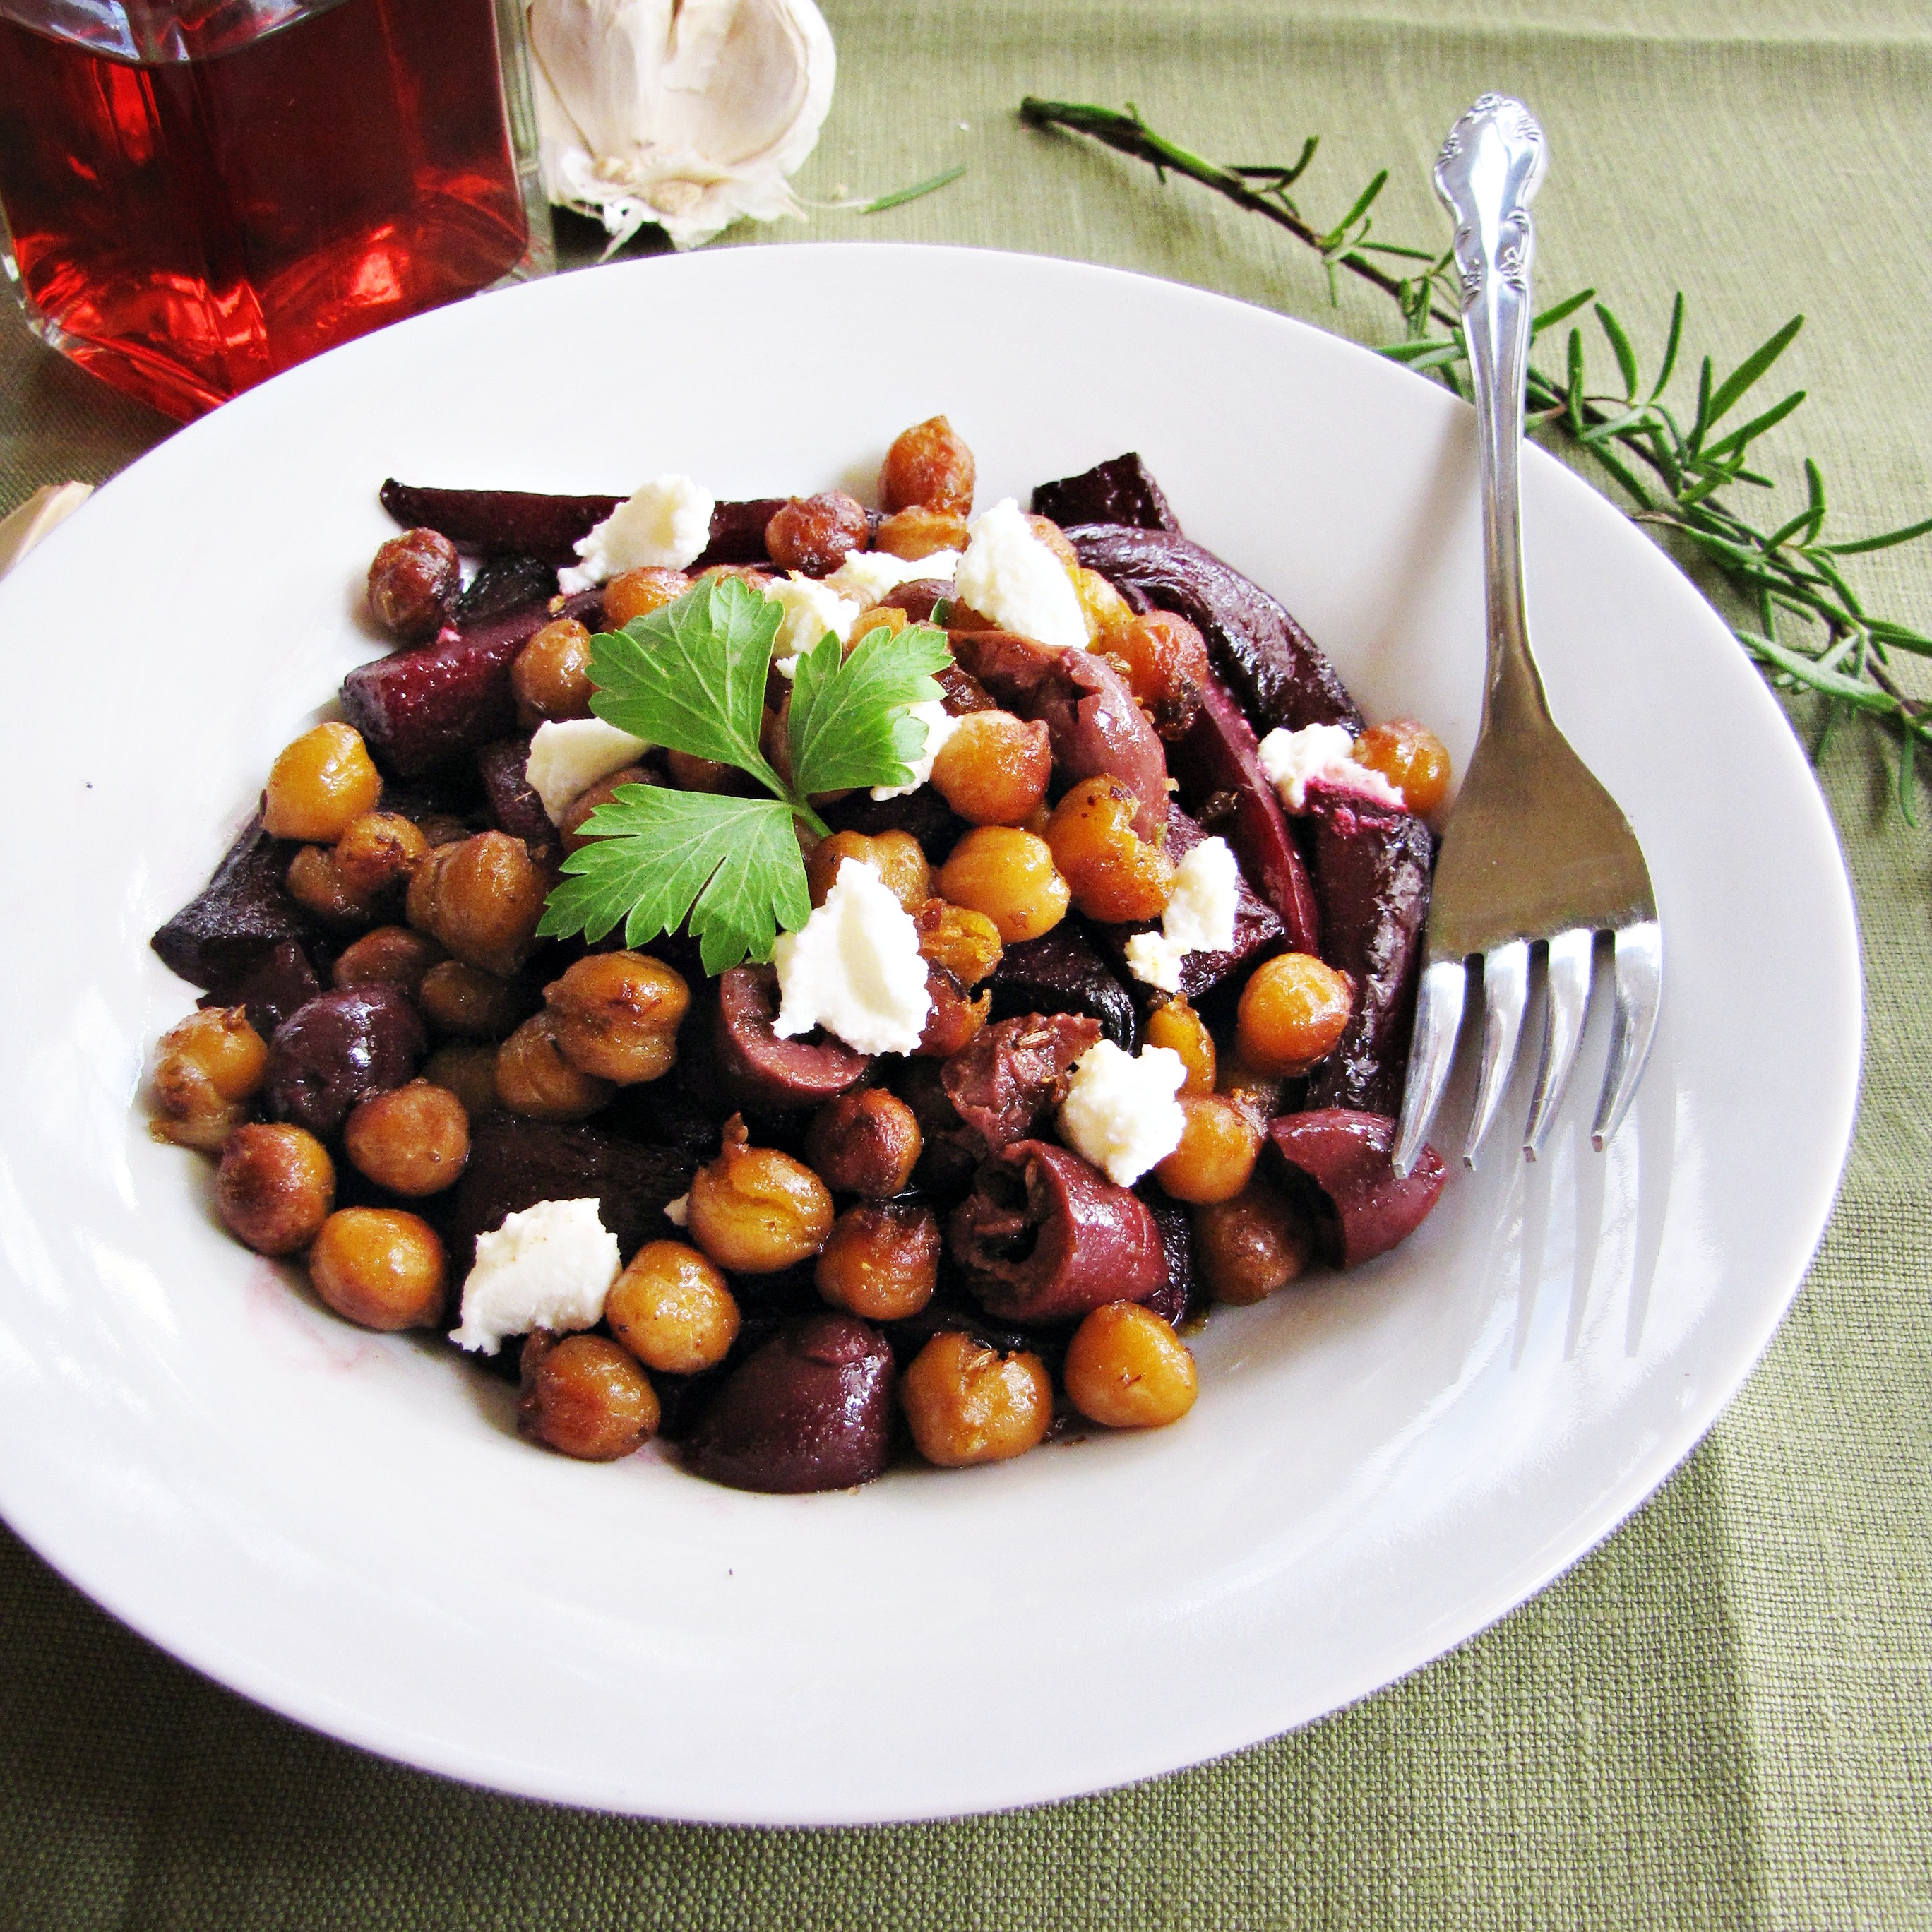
<point x="1536" y="852"/>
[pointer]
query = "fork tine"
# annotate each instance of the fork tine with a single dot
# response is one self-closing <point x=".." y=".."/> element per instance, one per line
<point x="1431" y="1046"/>
<point x="1505" y="991"/>
<point x="1566" y="996"/>
<point x="1639" y="994"/>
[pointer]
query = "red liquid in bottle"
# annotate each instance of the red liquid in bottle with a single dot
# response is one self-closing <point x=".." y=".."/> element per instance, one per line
<point x="186" y="228"/>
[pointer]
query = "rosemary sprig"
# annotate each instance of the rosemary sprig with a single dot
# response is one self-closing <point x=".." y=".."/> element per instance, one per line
<point x="1811" y="631"/>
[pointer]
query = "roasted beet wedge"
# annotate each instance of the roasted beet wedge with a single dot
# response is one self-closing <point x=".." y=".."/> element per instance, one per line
<point x="514" y="807"/>
<point x="1258" y="930"/>
<point x="515" y="1163"/>
<point x="762" y="1073"/>
<point x="1091" y="717"/>
<point x="1061" y="973"/>
<point x="1219" y="755"/>
<point x="1120" y="491"/>
<point x="1371" y="876"/>
<point x="1170" y="1300"/>
<point x="1339" y="1158"/>
<point x="1278" y="670"/>
<point x="504" y="584"/>
<point x="284" y="981"/>
<point x="1045" y="1235"/>
<point x="738" y="532"/>
<point x="1008" y="1084"/>
<point x="237" y="920"/>
<point x="421" y="711"/>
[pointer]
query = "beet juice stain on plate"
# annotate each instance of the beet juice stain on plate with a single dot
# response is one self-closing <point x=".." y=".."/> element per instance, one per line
<point x="199" y="195"/>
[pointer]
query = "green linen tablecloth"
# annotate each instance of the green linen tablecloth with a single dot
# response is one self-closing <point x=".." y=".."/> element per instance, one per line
<point x="1720" y="1718"/>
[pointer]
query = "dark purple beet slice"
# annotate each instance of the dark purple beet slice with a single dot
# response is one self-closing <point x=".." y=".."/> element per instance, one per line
<point x="1060" y="973"/>
<point x="503" y="584"/>
<point x="418" y="711"/>
<point x="738" y="532"/>
<point x="1169" y="1300"/>
<point x="239" y="918"/>
<point x="1274" y="665"/>
<point x="923" y="813"/>
<point x="514" y="1163"/>
<point x="1219" y="755"/>
<point x="514" y="807"/>
<point x="1120" y="491"/>
<point x="285" y="980"/>
<point x="811" y="1409"/>
<point x="1371" y="865"/>
<point x="1258" y="930"/>
<point x="1362" y="1210"/>
<point x="338" y="1049"/>
<point x="762" y="1073"/>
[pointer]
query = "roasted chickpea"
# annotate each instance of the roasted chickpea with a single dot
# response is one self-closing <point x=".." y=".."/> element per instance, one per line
<point x="864" y="1143"/>
<point x="881" y="1261"/>
<point x="412" y="1140"/>
<point x="379" y="1267"/>
<point x="1293" y="1010"/>
<point x="319" y="783"/>
<point x="901" y="864"/>
<point x="395" y="954"/>
<point x="481" y="899"/>
<point x="1126" y="1369"/>
<point x="316" y="883"/>
<point x="467" y="1002"/>
<point x="637" y="593"/>
<point x="378" y="849"/>
<point x="916" y="531"/>
<point x="1008" y="875"/>
<point x="951" y="1019"/>
<point x="929" y="466"/>
<point x="672" y="1310"/>
<point x="1175" y="1024"/>
<point x="274" y="1188"/>
<point x="879" y="616"/>
<point x="1164" y="659"/>
<point x="1218" y="1146"/>
<point x="1108" y="613"/>
<point x="570" y="825"/>
<point x="967" y="944"/>
<point x="468" y="1071"/>
<point x="551" y="678"/>
<point x="442" y="828"/>
<point x="1413" y="760"/>
<point x="1113" y="873"/>
<point x="1246" y="1248"/>
<point x="412" y="581"/>
<point x="755" y="1210"/>
<point x="967" y="1403"/>
<point x="993" y="769"/>
<point x="535" y="1079"/>
<point x="615" y="1014"/>
<point x="1055" y="539"/>
<point x="816" y="534"/>
<point x="687" y="773"/>
<point x="584" y="1396"/>
<point x="208" y="1065"/>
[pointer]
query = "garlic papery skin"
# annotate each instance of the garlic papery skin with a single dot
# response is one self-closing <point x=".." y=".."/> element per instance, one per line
<point x="689" y="113"/>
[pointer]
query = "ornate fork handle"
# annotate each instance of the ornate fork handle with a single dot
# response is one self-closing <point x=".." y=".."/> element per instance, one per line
<point x="1491" y="165"/>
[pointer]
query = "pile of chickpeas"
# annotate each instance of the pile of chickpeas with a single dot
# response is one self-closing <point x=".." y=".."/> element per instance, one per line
<point x="438" y="921"/>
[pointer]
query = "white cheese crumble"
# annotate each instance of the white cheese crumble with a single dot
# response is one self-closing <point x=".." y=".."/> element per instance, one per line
<point x="854" y="968"/>
<point x="549" y="1267"/>
<point x="1292" y="759"/>
<point x="1199" y="918"/>
<point x="678" y="1212"/>
<point x="940" y="725"/>
<point x="811" y="609"/>
<point x="664" y="525"/>
<point x="1009" y="575"/>
<point x="867" y="575"/>
<point x="567" y="758"/>
<point x="1120" y="1112"/>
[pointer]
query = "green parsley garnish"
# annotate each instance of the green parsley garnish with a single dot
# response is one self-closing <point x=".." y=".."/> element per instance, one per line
<point x="692" y="678"/>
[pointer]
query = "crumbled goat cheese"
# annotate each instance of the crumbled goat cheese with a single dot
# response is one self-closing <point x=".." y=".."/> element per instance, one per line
<point x="1292" y="759"/>
<point x="940" y="725"/>
<point x="810" y="611"/>
<point x="665" y="525"/>
<point x="854" y="968"/>
<point x="1199" y="918"/>
<point x="549" y="1267"/>
<point x="867" y="575"/>
<point x="678" y="1212"/>
<point x="1120" y="1112"/>
<point x="1009" y="575"/>
<point x="566" y="759"/>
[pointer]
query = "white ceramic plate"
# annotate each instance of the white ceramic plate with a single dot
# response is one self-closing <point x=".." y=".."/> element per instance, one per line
<point x="344" y="1527"/>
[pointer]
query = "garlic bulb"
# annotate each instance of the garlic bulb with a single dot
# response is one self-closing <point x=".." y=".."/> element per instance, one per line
<point x="689" y="113"/>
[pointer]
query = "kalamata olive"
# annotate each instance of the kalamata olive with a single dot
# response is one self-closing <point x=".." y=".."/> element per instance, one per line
<point x="811" y="1409"/>
<point x="1362" y="1209"/>
<point x="339" y="1049"/>
<point x="762" y="1072"/>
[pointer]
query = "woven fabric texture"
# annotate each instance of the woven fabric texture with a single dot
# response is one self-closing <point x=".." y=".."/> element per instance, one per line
<point x="1720" y="1718"/>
